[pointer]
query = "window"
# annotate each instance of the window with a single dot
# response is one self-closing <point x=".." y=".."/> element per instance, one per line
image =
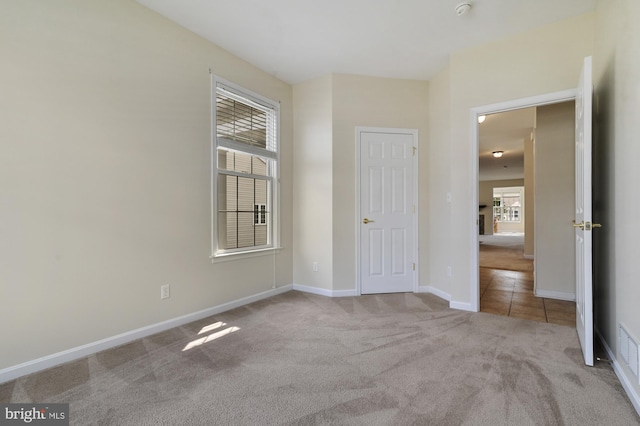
<point x="260" y="214"/>
<point x="507" y="206"/>
<point x="245" y="184"/>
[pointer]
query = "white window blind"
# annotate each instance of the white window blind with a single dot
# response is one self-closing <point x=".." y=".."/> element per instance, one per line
<point x="241" y="120"/>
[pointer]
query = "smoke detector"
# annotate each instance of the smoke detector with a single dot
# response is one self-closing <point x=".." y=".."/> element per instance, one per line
<point x="463" y="8"/>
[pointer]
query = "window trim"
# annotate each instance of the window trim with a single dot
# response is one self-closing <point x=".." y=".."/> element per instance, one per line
<point x="260" y="101"/>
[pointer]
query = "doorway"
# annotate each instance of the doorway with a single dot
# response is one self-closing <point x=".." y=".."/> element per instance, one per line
<point x="502" y="243"/>
<point x="506" y="249"/>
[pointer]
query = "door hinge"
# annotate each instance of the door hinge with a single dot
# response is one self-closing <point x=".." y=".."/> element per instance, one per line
<point x="414" y="266"/>
<point x="414" y="151"/>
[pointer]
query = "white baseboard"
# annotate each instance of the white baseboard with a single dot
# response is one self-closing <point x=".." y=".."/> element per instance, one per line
<point x="72" y="354"/>
<point x="461" y="306"/>
<point x="432" y="290"/>
<point x="556" y="295"/>
<point x="325" y="292"/>
<point x="624" y="380"/>
<point x="446" y="296"/>
<point x="344" y="293"/>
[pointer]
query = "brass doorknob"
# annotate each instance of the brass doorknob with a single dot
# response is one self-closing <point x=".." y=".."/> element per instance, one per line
<point x="586" y="226"/>
<point x="365" y="220"/>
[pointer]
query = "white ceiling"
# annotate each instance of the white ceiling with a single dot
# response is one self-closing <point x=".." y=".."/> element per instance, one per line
<point x="506" y="132"/>
<point x="296" y="40"/>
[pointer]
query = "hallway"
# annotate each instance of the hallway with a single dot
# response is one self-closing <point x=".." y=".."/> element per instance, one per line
<point x="510" y="293"/>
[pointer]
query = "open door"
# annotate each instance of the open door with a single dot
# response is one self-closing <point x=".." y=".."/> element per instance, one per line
<point x="582" y="221"/>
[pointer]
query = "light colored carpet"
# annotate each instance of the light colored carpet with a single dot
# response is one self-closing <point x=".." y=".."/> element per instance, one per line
<point x="301" y="359"/>
<point x="511" y="240"/>
<point x="503" y="251"/>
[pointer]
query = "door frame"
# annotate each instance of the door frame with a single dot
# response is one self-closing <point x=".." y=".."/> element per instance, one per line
<point x="416" y="244"/>
<point x="533" y="101"/>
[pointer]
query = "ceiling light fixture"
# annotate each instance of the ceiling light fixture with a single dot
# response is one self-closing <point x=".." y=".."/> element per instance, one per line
<point x="463" y="8"/>
<point x="498" y="154"/>
<point x="481" y="119"/>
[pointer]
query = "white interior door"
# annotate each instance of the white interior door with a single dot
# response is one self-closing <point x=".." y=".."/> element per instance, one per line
<point x="386" y="220"/>
<point x="582" y="221"/>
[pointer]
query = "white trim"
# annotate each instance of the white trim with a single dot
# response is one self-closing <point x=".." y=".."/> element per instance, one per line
<point x="540" y="100"/>
<point x="624" y="380"/>
<point x="461" y="306"/>
<point x="240" y="92"/>
<point x="474" y="272"/>
<point x="225" y="257"/>
<point x="325" y="292"/>
<point x="273" y="195"/>
<point x="550" y="294"/>
<point x="415" y="224"/>
<point x="432" y="290"/>
<point x="344" y="293"/>
<point x="416" y="210"/>
<point x="313" y="290"/>
<point x="58" y="358"/>
<point x="250" y="149"/>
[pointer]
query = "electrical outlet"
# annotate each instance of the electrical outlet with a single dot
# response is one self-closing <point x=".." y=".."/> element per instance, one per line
<point x="164" y="291"/>
<point x="315" y="266"/>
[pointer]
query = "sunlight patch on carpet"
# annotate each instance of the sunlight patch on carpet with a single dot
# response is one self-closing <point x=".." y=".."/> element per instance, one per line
<point x="211" y="337"/>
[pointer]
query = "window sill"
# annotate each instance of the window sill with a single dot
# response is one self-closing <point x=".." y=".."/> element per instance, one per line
<point x="226" y="257"/>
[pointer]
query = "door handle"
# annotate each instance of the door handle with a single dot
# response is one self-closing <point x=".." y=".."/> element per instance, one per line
<point x="586" y="226"/>
<point x="365" y="220"/>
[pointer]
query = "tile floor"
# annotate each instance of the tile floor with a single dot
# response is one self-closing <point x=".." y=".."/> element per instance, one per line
<point x="510" y="293"/>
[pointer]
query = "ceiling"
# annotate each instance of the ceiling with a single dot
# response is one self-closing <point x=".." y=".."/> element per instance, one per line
<point x="506" y="132"/>
<point x="296" y="40"/>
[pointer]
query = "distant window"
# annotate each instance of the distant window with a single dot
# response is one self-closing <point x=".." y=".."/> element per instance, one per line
<point x="245" y="171"/>
<point x="507" y="207"/>
<point x="260" y="214"/>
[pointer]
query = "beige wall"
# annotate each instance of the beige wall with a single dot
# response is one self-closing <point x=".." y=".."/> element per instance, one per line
<point x="105" y="175"/>
<point x="435" y="215"/>
<point x="536" y="62"/>
<point x="554" y="175"/>
<point x="328" y="110"/>
<point x="485" y="197"/>
<point x="616" y="173"/>
<point x="313" y="183"/>
<point x="373" y="102"/>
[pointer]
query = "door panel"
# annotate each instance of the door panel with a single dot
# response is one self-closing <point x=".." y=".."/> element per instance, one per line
<point x="376" y="253"/>
<point x="398" y="253"/>
<point x="582" y="220"/>
<point x="376" y="176"/>
<point x="387" y="240"/>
